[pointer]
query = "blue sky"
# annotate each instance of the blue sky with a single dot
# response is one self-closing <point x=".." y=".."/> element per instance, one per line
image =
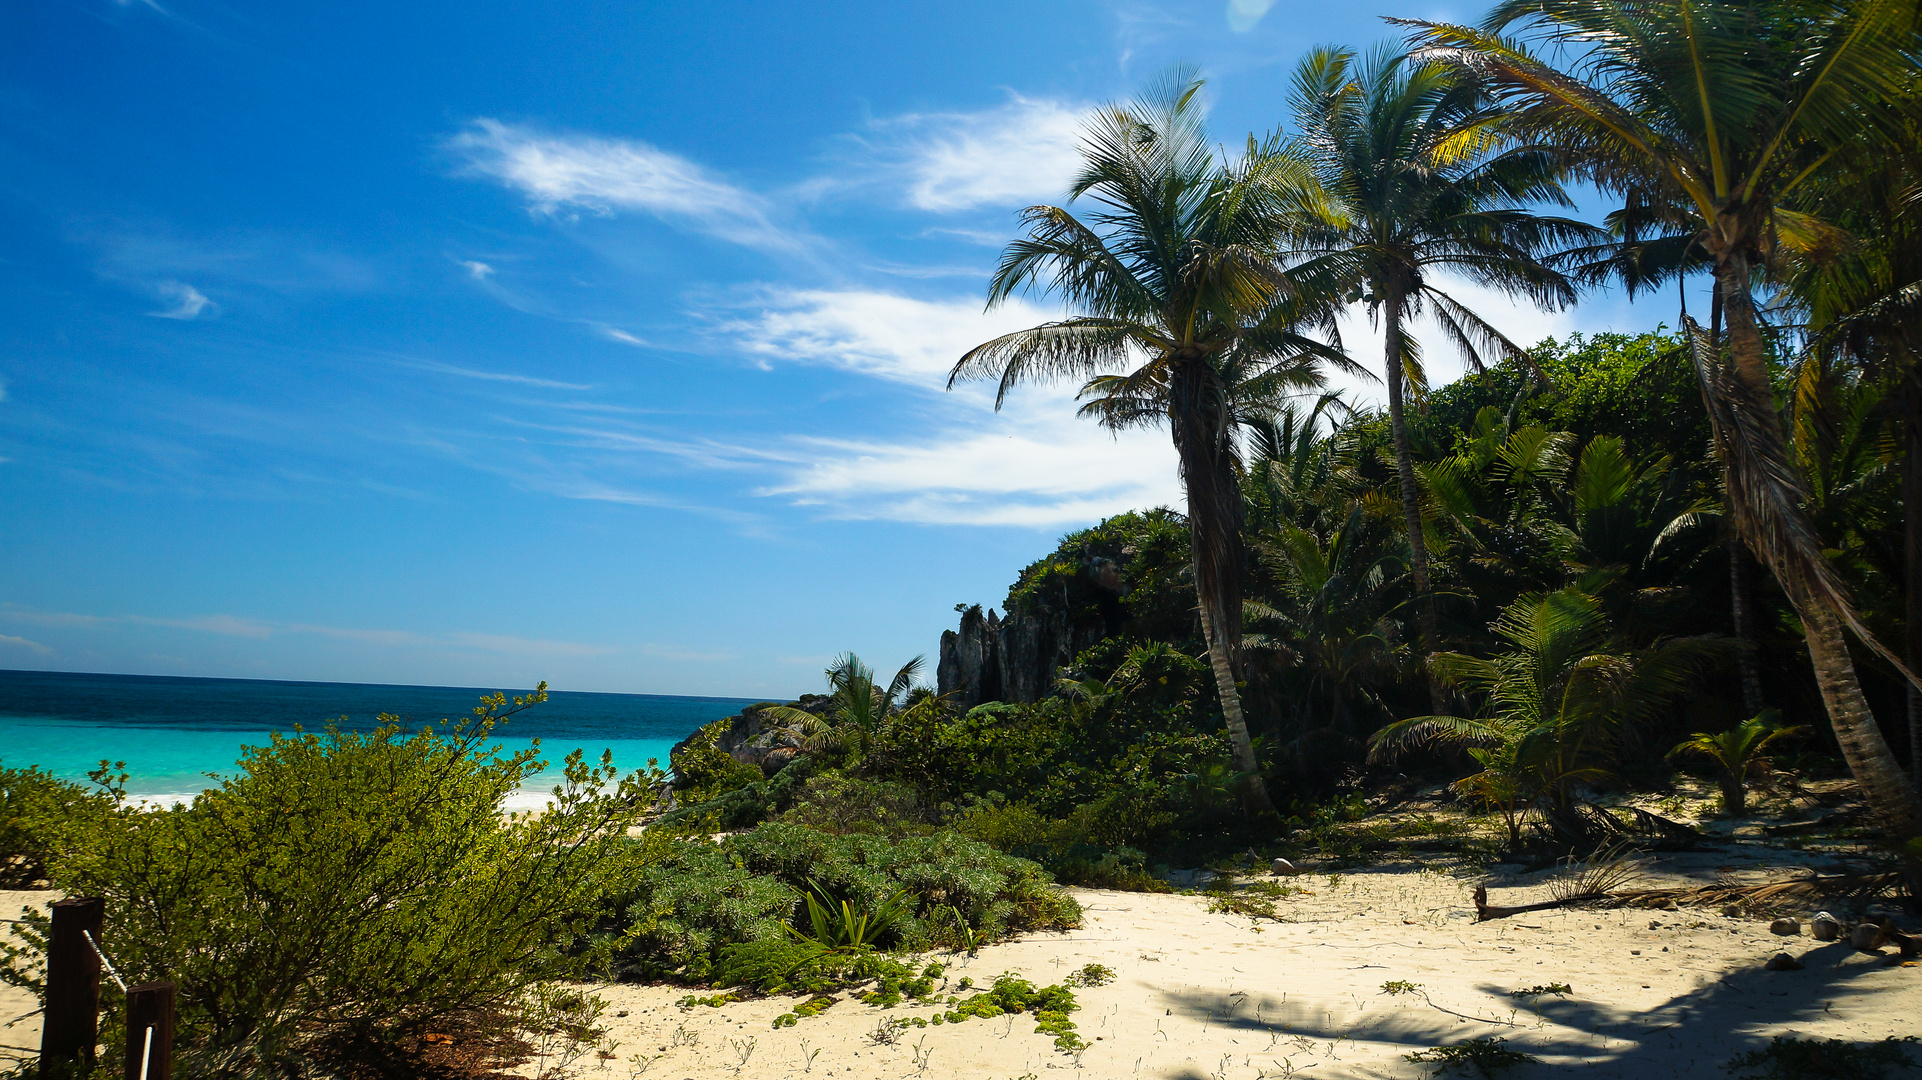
<point x="602" y="343"/>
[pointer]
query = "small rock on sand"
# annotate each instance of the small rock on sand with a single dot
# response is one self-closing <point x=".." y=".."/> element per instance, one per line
<point x="1787" y="927"/>
<point x="1783" y="962"/>
<point x="1285" y="868"/>
<point x="1825" y="926"/>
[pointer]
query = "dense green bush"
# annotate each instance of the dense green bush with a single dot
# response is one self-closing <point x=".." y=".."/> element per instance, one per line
<point x="351" y="883"/>
<point x="703" y="771"/>
<point x="40" y="815"/>
<point x="834" y="802"/>
<point x="746" y="807"/>
<point x="679" y="911"/>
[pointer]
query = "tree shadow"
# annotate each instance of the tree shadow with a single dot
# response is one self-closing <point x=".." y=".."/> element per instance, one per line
<point x="1691" y="1034"/>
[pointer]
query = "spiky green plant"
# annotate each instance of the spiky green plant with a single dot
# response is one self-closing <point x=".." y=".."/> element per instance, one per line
<point x="1560" y="700"/>
<point x="1740" y="754"/>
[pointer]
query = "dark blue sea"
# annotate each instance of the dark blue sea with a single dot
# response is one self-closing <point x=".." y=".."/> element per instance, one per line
<point x="174" y="732"/>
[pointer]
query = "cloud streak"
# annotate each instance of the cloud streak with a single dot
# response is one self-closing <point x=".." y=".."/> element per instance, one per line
<point x="602" y="175"/>
<point x="497" y="376"/>
<point x="185" y="301"/>
<point x="1021" y="153"/>
<point x="1034" y="464"/>
<point x="262" y="629"/>
<point x="8" y="641"/>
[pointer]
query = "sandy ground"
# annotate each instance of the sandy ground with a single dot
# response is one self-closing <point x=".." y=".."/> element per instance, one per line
<point x="1221" y="997"/>
<point x="19" y="1037"/>
<point x="1201" y="996"/>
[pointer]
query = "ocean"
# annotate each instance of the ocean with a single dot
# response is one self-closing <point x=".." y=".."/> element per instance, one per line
<point x="173" y="732"/>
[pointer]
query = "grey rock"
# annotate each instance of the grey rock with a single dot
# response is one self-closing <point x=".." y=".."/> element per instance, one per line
<point x="1285" y="868"/>
<point x="1825" y="927"/>
<point x="1786" y="927"/>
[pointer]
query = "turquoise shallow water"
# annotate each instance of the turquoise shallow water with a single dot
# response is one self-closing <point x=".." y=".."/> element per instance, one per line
<point x="173" y="732"/>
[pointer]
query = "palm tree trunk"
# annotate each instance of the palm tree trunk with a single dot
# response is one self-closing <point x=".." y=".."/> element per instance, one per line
<point x="1912" y="563"/>
<point x="1746" y="663"/>
<point x="1891" y="798"/>
<point x="1204" y="442"/>
<point x="1254" y="790"/>
<point x="1410" y="495"/>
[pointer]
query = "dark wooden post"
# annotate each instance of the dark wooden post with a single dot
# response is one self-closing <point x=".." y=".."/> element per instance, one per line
<point x="73" y="988"/>
<point x="150" y="1005"/>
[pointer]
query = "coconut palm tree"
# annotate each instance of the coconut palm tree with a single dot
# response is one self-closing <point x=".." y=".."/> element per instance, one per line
<point x="1741" y="753"/>
<point x="856" y="706"/>
<point x="1426" y="184"/>
<point x="1717" y="112"/>
<point x="1865" y="308"/>
<point x="1180" y="315"/>
<point x="1560" y="702"/>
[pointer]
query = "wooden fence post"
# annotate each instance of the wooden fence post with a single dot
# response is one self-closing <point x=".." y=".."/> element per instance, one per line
<point x="72" y="1022"/>
<point x="150" y="1007"/>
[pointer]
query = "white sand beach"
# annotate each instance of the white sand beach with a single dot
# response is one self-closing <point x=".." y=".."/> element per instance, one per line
<point x="1222" y="997"/>
<point x="1200" y="996"/>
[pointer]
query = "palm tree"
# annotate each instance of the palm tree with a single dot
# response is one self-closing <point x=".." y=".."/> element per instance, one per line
<point x="1560" y="704"/>
<point x="856" y="706"/>
<point x="1740" y="753"/>
<point x="1425" y="183"/>
<point x="1180" y="316"/>
<point x="1866" y="309"/>
<point x="1715" y="112"/>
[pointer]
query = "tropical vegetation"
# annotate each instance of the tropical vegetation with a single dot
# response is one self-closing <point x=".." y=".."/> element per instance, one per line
<point x="1588" y="560"/>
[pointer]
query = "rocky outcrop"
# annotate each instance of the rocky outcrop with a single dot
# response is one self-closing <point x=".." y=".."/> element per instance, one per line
<point x="1017" y="658"/>
<point x="753" y="739"/>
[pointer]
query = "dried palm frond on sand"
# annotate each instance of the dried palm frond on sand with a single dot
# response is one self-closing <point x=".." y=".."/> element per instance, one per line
<point x="1775" y="894"/>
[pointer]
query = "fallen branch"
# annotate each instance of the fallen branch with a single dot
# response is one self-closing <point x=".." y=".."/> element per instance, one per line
<point x="1757" y="897"/>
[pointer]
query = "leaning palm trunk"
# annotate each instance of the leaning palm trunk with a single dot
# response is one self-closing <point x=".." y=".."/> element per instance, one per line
<point x="1766" y="500"/>
<point x="1198" y="413"/>
<point x="1410" y="494"/>
<point x="1912" y="561"/>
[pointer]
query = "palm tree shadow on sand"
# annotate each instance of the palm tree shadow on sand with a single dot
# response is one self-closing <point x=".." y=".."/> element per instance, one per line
<point x="1691" y="1034"/>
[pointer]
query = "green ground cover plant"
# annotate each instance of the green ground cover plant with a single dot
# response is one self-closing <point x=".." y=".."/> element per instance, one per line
<point x="679" y="915"/>
<point x="1788" y="1057"/>
<point x="1487" y="1055"/>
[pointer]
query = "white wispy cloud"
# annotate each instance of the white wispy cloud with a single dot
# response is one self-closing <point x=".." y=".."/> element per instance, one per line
<point x="263" y="629"/>
<point x="8" y="641"/>
<point x="1244" y="14"/>
<point x="1034" y="464"/>
<point x="876" y="333"/>
<point x="602" y="175"/>
<point x="185" y="301"/>
<point x="476" y="269"/>
<point x="1021" y="153"/>
<point x="497" y="376"/>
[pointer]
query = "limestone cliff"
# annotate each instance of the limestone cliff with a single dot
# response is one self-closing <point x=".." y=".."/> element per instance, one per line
<point x="1013" y="659"/>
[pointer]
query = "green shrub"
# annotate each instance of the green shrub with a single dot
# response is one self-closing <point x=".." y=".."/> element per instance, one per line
<point x="677" y="916"/>
<point x="836" y="803"/>
<point x="703" y="771"/>
<point x="351" y="883"/>
<point x="746" y="807"/>
<point x="1067" y="847"/>
<point x="40" y="815"/>
<point x="1789" y="1058"/>
<point x="1488" y="1056"/>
